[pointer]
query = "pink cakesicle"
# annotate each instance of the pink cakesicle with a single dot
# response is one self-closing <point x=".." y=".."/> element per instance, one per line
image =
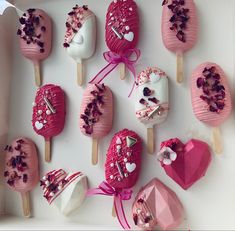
<point x="22" y="170"/>
<point x="211" y="98"/>
<point x="157" y="205"/>
<point x="179" y="29"/>
<point x="185" y="163"/>
<point x="96" y="115"/>
<point x="49" y="112"/>
<point x="122" y="28"/>
<point x="35" y="38"/>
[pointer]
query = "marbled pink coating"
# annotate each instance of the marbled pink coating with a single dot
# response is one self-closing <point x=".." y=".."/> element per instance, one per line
<point x="32" y="169"/>
<point x="50" y="124"/>
<point x="128" y="158"/>
<point x="105" y="122"/>
<point x="160" y="204"/>
<point x="200" y="108"/>
<point x="123" y="14"/>
<point x="32" y="50"/>
<point x="169" y="38"/>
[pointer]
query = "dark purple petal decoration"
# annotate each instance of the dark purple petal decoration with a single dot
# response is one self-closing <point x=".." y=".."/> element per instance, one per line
<point x="213" y="90"/>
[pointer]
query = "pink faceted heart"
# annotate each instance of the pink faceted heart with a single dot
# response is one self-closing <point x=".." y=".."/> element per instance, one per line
<point x="156" y="204"/>
<point x="191" y="164"/>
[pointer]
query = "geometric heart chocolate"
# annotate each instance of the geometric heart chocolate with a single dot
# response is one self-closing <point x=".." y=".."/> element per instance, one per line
<point x="156" y="204"/>
<point x="185" y="163"/>
<point x="123" y="160"/>
<point x="66" y="191"/>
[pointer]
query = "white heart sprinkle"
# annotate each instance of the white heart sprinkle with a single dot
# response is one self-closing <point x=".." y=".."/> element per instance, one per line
<point x="130" y="9"/>
<point x="130" y="167"/>
<point x="59" y="187"/>
<point x="38" y="125"/>
<point x="52" y="194"/>
<point x="39" y="112"/>
<point x="118" y="141"/>
<point x="118" y="147"/>
<point x="127" y="28"/>
<point x="44" y="178"/>
<point x="34" y="104"/>
<point x="111" y="177"/>
<point x="126" y="175"/>
<point x="129" y="36"/>
<point x="78" y="38"/>
<point x="125" y="159"/>
<point x="154" y="78"/>
<point x="47" y="183"/>
<point x="112" y="165"/>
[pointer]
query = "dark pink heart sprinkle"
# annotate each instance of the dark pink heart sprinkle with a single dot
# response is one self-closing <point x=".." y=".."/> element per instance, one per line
<point x="42" y="50"/>
<point x="10" y="182"/>
<point x="74" y="31"/>
<point x="181" y="36"/>
<point x="147" y="219"/>
<point x="18" y="147"/>
<point x="200" y="82"/>
<point x="19" y="32"/>
<point x="66" y="45"/>
<point x="31" y="10"/>
<point x="43" y="28"/>
<point x="6" y="173"/>
<point x="213" y="109"/>
<point x="85" y="7"/>
<point x="88" y="129"/>
<point x="42" y="183"/>
<point x="22" y="20"/>
<point x="135" y="219"/>
<point x="141" y="201"/>
<point x="164" y="2"/>
<point x="52" y="187"/>
<point x="205" y="98"/>
<point x="220" y="105"/>
<point x="41" y="44"/>
<point x="71" y="13"/>
<point x="6" y="148"/>
<point x="85" y="118"/>
<point x="154" y="100"/>
<point x="21" y="141"/>
<point x="79" y="25"/>
<point x="74" y="8"/>
<point x="206" y="90"/>
<point x="68" y="24"/>
<point x="143" y="101"/>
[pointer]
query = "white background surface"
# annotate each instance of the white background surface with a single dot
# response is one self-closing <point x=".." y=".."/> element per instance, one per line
<point x="210" y="203"/>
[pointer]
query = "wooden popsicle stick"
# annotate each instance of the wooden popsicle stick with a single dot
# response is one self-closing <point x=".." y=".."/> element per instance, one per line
<point x="48" y="150"/>
<point x="217" y="140"/>
<point x="37" y="73"/>
<point x="26" y="204"/>
<point x="94" y="151"/>
<point x="80" y="74"/>
<point x="122" y="68"/>
<point x="150" y="140"/>
<point x="180" y="67"/>
<point x="114" y="210"/>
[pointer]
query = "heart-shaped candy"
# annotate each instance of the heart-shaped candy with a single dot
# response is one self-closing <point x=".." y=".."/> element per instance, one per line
<point x="129" y="36"/>
<point x="191" y="162"/>
<point x="122" y="164"/>
<point x="38" y="125"/>
<point x="156" y="204"/>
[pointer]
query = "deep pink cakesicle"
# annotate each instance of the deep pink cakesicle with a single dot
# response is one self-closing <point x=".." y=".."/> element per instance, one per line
<point x="21" y="169"/>
<point x="96" y="114"/>
<point x="185" y="163"/>
<point x="122" y="27"/>
<point x="157" y="205"/>
<point x="35" y="35"/>
<point x="179" y="29"/>
<point x="211" y="98"/>
<point x="49" y="112"/>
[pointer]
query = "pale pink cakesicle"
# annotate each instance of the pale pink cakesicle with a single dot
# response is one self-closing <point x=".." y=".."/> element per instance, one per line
<point x="179" y="29"/>
<point x="211" y="98"/>
<point x="96" y="114"/>
<point x="21" y="169"/>
<point x="122" y="27"/>
<point x="80" y="37"/>
<point x="49" y="111"/>
<point x="35" y="35"/>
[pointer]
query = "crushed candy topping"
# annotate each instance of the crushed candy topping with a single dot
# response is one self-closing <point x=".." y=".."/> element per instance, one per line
<point x="29" y="24"/>
<point x="92" y="111"/>
<point x="179" y="18"/>
<point x="213" y="91"/>
<point x="17" y="164"/>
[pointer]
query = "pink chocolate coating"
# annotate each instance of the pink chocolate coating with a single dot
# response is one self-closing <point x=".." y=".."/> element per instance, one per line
<point x="123" y="15"/>
<point x="32" y="50"/>
<point x="21" y="165"/>
<point x="99" y="99"/>
<point x="200" y="107"/>
<point x="159" y="205"/>
<point x="44" y="121"/>
<point x="123" y="162"/>
<point x="169" y="38"/>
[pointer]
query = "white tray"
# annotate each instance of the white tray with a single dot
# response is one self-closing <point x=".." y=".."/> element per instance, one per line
<point x="209" y="204"/>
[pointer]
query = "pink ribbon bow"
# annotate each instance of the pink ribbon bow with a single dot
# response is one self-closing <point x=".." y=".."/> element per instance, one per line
<point x="114" y="60"/>
<point x="119" y="195"/>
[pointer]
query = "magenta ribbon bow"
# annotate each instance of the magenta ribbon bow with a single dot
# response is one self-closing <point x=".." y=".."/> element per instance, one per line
<point x="119" y="195"/>
<point x="114" y="60"/>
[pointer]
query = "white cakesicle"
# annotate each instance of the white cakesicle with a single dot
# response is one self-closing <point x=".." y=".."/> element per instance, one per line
<point x="152" y="100"/>
<point x="72" y="197"/>
<point x="83" y="44"/>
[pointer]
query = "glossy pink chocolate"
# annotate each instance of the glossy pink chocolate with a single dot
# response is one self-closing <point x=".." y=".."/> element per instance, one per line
<point x="123" y="15"/>
<point x="96" y="114"/>
<point x="21" y="165"/>
<point x="169" y="38"/>
<point x="42" y="34"/>
<point x="123" y="160"/>
<point x="191" y="164"/>
<point x="46" y="122"/>
<point x="156" y="204"/>
<point x="200" y="107"/>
